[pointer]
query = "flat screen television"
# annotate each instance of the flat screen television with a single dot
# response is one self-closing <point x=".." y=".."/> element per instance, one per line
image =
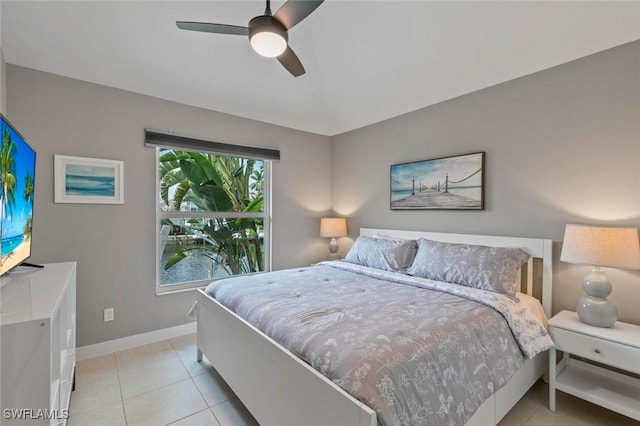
<point x="17" y="174"/>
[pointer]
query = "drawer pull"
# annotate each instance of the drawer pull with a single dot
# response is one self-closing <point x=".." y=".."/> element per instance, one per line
<point x="597" y="351"/>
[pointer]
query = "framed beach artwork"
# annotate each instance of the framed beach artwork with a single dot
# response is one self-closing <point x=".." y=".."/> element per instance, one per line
<point x="449" y="183"/>
<point x="88" y="180"/>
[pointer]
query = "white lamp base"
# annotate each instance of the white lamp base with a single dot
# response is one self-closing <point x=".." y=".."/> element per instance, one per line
<point x="594" y="308"/>
<point x="333" y="249"/>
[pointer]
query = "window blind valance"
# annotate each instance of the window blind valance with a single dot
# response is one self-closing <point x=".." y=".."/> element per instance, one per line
<point x="157" y="139"/>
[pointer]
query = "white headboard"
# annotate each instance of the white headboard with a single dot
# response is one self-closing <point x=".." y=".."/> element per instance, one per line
<point x="537" y="247"/>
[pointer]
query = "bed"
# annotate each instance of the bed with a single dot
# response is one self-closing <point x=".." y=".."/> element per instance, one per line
<point x="279" y="388"/>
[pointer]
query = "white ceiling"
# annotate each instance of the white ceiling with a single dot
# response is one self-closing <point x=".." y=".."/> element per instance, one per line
<point x="366" y="61"/>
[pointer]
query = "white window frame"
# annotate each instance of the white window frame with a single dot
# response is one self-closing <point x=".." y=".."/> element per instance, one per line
<point x="265" y="215"/>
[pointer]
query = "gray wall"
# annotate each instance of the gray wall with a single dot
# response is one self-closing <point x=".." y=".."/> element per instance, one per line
<point x="562" y="146"/>
<point x="3" y="72"/>
<point x="3" y="83"/>
<point x="114" y="245"/>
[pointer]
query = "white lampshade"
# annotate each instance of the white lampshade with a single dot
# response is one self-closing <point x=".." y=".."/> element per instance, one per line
<point x="601" y="246"/>
<point x="268" y="44"/>
<point x="332" y="227"/>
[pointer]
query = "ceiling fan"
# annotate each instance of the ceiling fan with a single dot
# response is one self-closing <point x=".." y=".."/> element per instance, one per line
<point x="267" y="33"/>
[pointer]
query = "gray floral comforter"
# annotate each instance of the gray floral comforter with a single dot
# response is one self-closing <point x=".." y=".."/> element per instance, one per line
<point x="418" y="352"/>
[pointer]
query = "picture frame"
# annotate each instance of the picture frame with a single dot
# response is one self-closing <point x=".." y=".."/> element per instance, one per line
<point x="88" y="180"/>
<point x="445" y="183"/>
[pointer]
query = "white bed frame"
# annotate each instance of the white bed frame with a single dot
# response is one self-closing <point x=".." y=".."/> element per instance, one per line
<point x="279" y="389"/>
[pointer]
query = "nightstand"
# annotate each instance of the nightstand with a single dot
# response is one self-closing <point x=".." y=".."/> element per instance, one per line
<point x="618" y="347"/>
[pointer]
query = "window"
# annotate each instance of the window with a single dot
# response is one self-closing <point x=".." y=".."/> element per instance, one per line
<point x="213" y="217"/>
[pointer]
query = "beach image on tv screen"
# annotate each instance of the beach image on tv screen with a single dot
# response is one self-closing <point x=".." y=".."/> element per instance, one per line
<point x="17" y="171"/>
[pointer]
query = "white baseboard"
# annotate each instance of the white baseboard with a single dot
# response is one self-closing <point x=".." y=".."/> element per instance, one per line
<point x="129" y="342"/>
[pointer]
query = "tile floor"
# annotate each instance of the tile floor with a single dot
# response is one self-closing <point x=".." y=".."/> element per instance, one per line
<point x="533" y="410"/>
<point x="161" y="384"/>
<point x="155" y="385"/>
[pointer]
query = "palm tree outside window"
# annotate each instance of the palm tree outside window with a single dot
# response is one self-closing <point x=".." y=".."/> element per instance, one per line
<point x="213" y="217"/>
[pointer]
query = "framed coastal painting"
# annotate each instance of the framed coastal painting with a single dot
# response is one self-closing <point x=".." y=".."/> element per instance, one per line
<point x="88" y="180"/>
<point x="448" y="183"/>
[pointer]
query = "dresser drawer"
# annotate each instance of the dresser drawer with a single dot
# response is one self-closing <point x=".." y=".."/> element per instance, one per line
<point x="604" y="351"/>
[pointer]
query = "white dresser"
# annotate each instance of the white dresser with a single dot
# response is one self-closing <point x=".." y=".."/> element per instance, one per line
<point x="37" y="344"/>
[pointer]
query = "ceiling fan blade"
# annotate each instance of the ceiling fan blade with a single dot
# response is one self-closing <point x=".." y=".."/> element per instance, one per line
<point x="213" y="28"/>
<point x="294" y="11"/>
<point x="290" y="61"/>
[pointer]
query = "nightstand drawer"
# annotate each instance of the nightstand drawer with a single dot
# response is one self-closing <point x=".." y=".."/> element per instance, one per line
<point x="600" y="350"/>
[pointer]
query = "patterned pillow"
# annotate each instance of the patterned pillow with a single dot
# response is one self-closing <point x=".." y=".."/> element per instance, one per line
<point x="487" y="268"/>
<point x="389" y="255"/>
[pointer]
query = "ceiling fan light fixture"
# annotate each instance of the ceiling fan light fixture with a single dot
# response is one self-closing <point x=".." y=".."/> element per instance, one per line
<point x="268" y="32"/>
<point x="268" y="36"/>
<point x="268" y="44"/>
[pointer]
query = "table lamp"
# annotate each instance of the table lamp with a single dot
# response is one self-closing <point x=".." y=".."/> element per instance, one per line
<point x="332" y="227"/>
<point x="600" y="246"/>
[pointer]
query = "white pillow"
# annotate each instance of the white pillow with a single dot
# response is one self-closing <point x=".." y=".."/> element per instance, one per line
<point x="381" y="236"/>
<point x="534" y="306"/>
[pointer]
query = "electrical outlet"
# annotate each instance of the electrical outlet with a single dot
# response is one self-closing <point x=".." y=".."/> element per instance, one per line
<point x="108" y="314"/>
